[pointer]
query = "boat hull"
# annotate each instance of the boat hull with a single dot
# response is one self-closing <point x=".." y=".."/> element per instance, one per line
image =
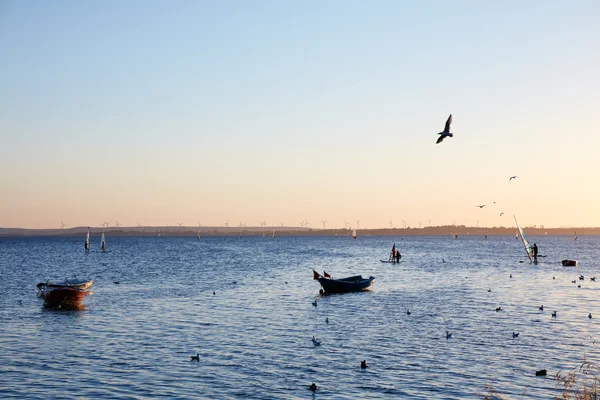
<point x="569" y="263"/>
<point x="63" y="297"/>
<point x="350" y="284"/>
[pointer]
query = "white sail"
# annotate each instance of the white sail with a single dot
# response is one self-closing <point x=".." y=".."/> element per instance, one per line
<point x="87" y="240"/>
<point x="103" y="242"/>
<point x="526" y="244"/>
<point x="354" y="234"/>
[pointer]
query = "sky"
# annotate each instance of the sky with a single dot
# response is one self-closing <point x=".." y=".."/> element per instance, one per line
<point x="158" y="112"/>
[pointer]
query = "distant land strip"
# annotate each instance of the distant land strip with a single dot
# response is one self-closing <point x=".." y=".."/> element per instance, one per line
<point x="459" y="230"/>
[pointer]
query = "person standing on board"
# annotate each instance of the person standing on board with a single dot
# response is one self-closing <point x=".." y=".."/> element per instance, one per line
<point x="535" y="252"/>
<point x="398" y="256"/>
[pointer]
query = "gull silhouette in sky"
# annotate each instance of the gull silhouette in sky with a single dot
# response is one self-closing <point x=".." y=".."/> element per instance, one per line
<point x="512" y="177"/>
<point x="446" y="133"/>
<point x="501" y="214"/>
<point x="481" y="206"/>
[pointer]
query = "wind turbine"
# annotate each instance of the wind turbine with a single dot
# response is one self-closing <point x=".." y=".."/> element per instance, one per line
<point x="263" y="224"/>
<point x="62" y="225"/>
<point x="226" y="224"/>
<point x="199" y="225"/>
<point x="345" y="225"/>
<point x="106" y="224"/>
<point x="391" y="223"/>
<point x="180" y="225"/>
<point x="301" y="223"/>
<point x="324" y="222"/>
<point x="358" y="224"/>
<point x="282" y="224"/>
<point x="118" y="224"/>
<point x="306" y="223"/>
<point x="139" y="226"/>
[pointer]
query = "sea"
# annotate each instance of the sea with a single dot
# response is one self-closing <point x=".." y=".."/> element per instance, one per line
<point x="245" y="305"/>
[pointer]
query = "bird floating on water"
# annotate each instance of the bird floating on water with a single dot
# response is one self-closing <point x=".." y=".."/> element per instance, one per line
<point x="448" y="334"/>
<point x="314" y="303"/>
<point x="590" y="315"/>
<point x="541" y="307"/>
<point x="407" y="312"/>
<point x="553" y="314"/>
<point x="363" y="364"/>
<point x="443" y="260"/>
<point x="489" y="290"/>
<point x="446" y="133"/>
<point x="573" y="281"/>
<point x="195" y="358"/>
<point x="327" y="320"/>
<point x="316" y="341"/>
<point x="116" y="282"/>
<point x="593" y="278"/>
<point x="510" y="276"/>
<point x="515" y="334"/>
<point x="313" y="387"/>
<point x="214" y="293"/>
<point x="512" y="177"/>
<point x="498" y="308"/>
<point x="541" y="372"/>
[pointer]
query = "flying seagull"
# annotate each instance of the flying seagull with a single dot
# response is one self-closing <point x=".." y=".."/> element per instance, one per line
<point x="446" y="133"/>
<point x="512" y="177"/>
<point x="501" y="214"/>
<point x="481" y="206"/>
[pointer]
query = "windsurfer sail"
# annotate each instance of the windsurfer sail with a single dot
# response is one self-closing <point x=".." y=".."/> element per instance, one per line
<point x="453" y="235"/>
<point x="354" y="234"/>
<point x="87" y="241"/>
<point x="392" y="257"/>
<point x="526" y="244"/>
<point x="103" y="243"/>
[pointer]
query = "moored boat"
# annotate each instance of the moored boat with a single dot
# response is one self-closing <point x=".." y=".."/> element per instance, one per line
<point x="569" y="263"/>
<point x="66" y="297"/>
<point x="350" y="284"/>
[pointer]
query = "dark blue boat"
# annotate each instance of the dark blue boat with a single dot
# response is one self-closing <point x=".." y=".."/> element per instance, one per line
<point x="350" y="284"/>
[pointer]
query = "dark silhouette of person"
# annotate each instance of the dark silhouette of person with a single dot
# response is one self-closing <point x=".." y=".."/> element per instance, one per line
<point x="398" y="256"/>
<point x="535" y="252"/>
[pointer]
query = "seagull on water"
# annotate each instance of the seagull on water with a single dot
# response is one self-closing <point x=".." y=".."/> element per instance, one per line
<point x="512" y="177"/>
<point x="553" y="314"/>
<point x="590" y="315"/>
<point x="481" y="206"/>
<point x="515" y="334"/>
<point x="314" y="303"/>
<point x="363" y="364"/>
<point x="407" y="312"/>
<point x="316" y="342"/>
<point x="446" y="133"/>
<point x="593" y="278"/>
<point x="327" y="320"/>
<point x="498" y="308"/>
<point x="541" y="307"/>
<point x="196" y="357"/>
<point x="448" y="334"/>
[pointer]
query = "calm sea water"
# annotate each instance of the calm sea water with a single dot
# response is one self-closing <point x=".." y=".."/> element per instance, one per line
<point x="254" y="334"/>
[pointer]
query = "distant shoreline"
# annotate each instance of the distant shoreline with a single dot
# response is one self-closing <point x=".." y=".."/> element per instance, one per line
<point x="295" y="231"/>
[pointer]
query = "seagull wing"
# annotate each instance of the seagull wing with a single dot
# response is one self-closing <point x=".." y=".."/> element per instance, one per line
<point x="448" y="122"/>
<point x="440" y="139"/>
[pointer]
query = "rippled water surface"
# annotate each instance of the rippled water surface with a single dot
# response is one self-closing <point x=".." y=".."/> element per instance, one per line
<point x="254" y="334"/>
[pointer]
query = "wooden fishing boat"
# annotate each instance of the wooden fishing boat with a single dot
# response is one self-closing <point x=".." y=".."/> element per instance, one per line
<point x="351" y="284"/>
<point x="62" y="297"/>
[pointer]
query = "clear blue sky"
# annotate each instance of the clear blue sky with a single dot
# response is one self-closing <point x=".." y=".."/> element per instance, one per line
<point x="244" y="110"/>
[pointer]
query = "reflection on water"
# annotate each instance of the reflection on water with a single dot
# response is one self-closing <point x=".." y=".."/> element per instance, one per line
<point x="135" y="338"/>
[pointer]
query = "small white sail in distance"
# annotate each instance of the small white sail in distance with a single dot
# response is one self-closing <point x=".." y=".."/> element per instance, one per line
<point x="354" y="234"/>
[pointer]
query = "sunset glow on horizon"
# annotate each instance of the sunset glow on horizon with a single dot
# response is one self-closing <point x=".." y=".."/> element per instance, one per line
<point x="207" y="112"/>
